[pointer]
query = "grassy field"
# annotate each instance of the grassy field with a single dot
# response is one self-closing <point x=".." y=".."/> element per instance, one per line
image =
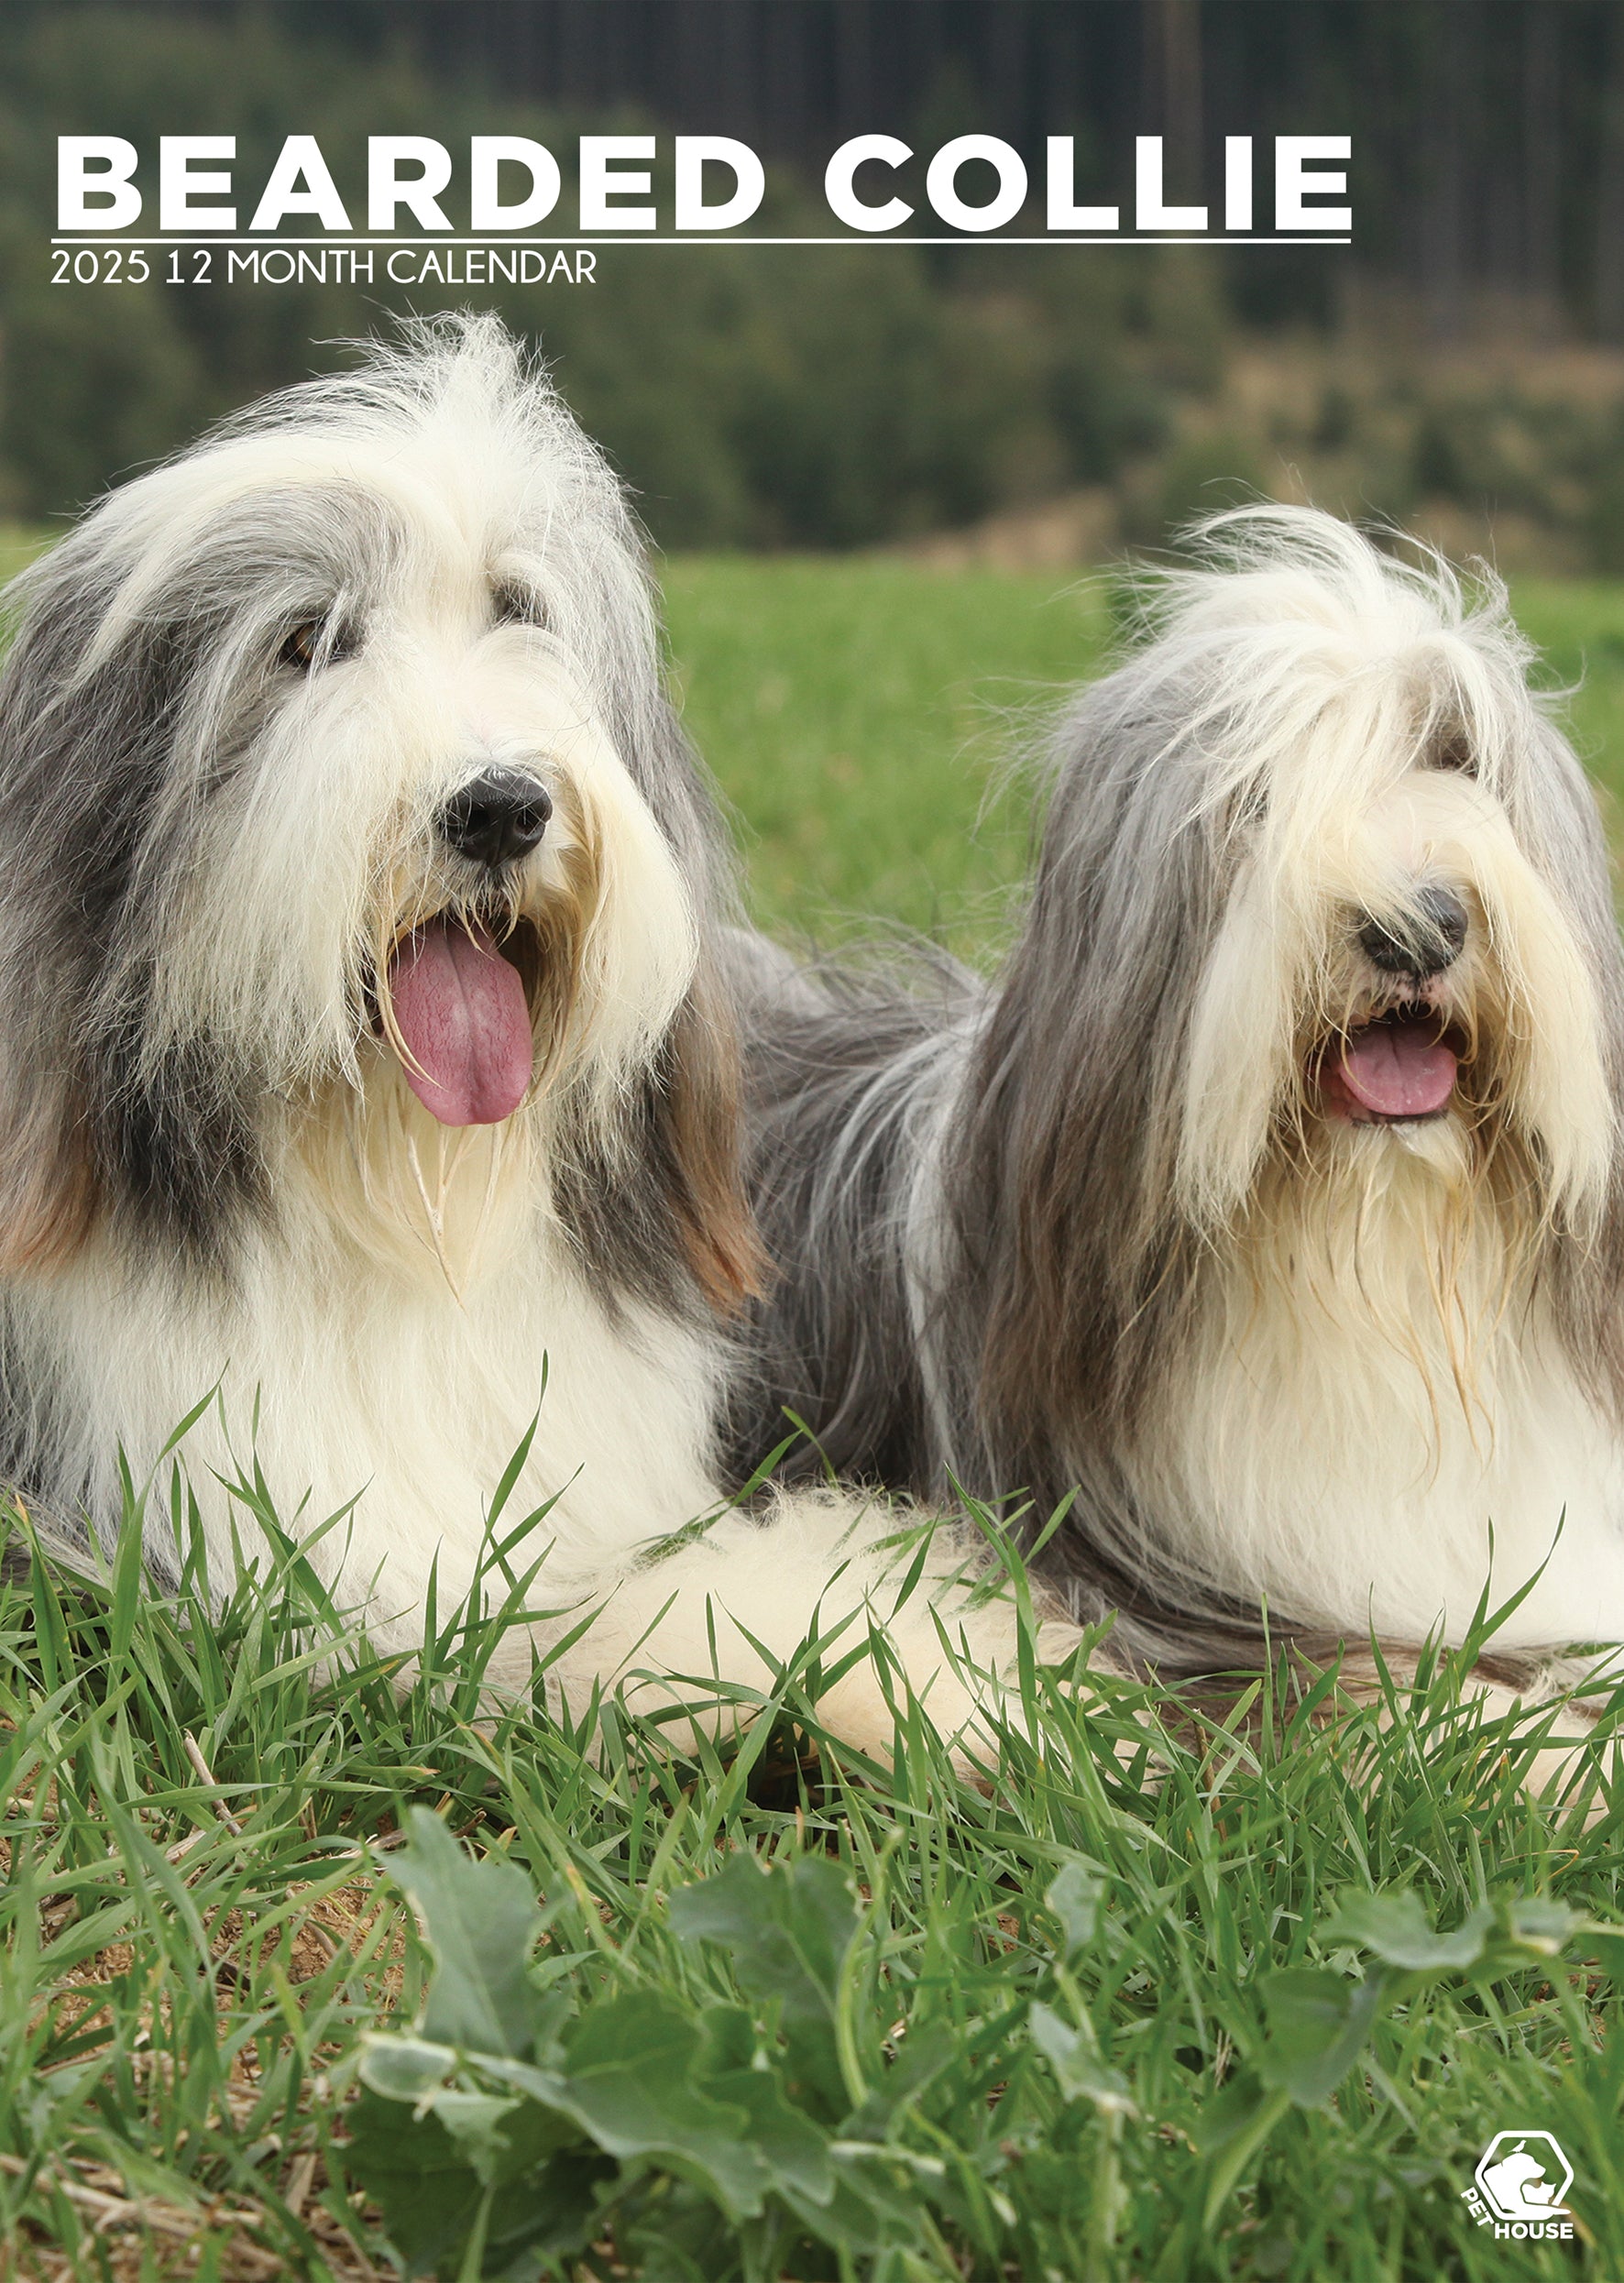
<point x="1256" y="2014"/>
<point x="1161" y="2000"/>
<point x="862" y="719"/>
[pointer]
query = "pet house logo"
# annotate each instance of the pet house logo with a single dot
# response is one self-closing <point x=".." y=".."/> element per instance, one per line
<point x="1519" y="2183"/>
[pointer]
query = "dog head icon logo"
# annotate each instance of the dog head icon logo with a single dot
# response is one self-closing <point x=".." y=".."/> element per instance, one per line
<point x="1524" y="2176"/>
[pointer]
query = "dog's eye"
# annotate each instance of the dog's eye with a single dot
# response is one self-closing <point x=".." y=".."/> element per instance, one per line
<point x="315" y="639"/>
<point x="520" y="606"/>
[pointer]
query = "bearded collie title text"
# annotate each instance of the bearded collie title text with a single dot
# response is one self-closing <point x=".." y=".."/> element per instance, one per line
<point x="1281" y="190"/>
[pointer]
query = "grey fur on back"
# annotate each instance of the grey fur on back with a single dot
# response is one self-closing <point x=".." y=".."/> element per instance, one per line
<point x="986" y="1282"/>
<point x="851" y="1075"/>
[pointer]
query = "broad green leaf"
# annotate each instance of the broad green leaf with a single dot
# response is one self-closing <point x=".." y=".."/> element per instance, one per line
<point x="1074" y="1899"/>
<point x="676" y="2237"/>
<point x="1317" y="2026"/>
<point x="876" y="2202"/>
<point x="415" y="2173"/>
<point x="1231" y="2114"/>
<point x="787" y="1933"/>
<point x="1541" y="1924"/>
<point x="420" y="2176"/>
<point x="476" y="2122"/>
<point x="630" y="2081"/>
<point x="640" y="2078"/>
<point x="548" y="2213"/>
<point x="1395" y="1927"/>
<point x="792" y="2146"/>
<point x="404" y="2067"/>
<point x="1081" y="2075"/>
<point x="480" y="1920"/>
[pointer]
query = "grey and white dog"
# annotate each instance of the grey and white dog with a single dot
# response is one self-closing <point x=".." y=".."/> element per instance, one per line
<point x="1270" y="1200"/>
<point x="363" y="1043"/>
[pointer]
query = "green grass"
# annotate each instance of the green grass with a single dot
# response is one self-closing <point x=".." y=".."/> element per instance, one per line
<point x="1089" y="2020"/>
<point x="19" y="543"/>
<point x="860" y="718"/>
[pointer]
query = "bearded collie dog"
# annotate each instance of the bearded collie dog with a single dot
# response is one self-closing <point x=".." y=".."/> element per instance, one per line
<point x="1268" y="1204"/>
<point x="363" y="1050"/>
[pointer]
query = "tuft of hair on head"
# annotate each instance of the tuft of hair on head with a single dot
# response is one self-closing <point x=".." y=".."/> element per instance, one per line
<point x="1285" y="621"/>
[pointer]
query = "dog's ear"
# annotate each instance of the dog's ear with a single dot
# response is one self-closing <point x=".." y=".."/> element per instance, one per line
<point x="46" y="1182"/>
<point x="55" y="831"/>
<point x="83" y="742"/>
<point x="1062" y="1181"/>
<point x="703" y="1123"/>
<point x="698" y="1137"/>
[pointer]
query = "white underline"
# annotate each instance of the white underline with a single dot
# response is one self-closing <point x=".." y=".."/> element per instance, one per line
<point x="634" y="238"/>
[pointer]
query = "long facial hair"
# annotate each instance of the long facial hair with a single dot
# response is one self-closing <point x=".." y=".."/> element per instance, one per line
<point x="205" y="874"/>
<point x="1141" y="1168"/>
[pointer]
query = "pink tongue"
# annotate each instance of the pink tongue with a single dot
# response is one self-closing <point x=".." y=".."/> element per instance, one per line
<point x="460" y="1007"/>
<point x="1398" y="1069"/>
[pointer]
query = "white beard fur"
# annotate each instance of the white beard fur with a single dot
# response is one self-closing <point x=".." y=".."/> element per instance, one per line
<point x="1317" y="1460"/>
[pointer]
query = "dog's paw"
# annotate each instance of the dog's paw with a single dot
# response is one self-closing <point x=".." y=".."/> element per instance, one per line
<point x="970" y="1692"/>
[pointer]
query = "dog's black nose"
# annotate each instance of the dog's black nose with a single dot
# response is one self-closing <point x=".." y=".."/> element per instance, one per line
<point x="497" y="817"/>
<point x="1429" y="937"/>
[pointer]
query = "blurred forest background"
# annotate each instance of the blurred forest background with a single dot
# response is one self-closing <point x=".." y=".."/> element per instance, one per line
<point x="1460" y="368"/>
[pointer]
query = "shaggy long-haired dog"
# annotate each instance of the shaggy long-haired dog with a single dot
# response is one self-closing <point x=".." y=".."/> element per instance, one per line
<point x="1271" y="1199"/>
<point x="360" y="1033"/>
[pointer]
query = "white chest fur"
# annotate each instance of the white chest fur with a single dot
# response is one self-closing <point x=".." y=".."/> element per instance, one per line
<point x="380" y="1379"/>
<point x="1348" y="1443"/>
